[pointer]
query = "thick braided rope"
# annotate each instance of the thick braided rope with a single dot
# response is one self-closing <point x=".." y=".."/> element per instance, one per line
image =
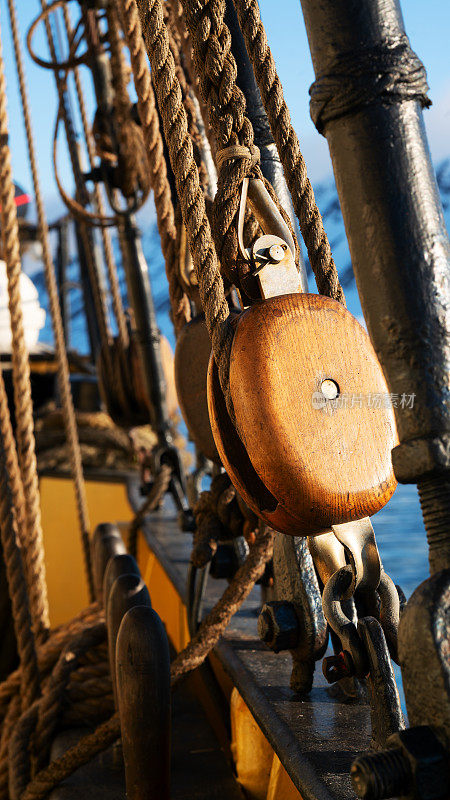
<point x="32" y="532"/>
<point x="58" y="332"/>
<point x="216" y="67"/>
<point x="218" y="618"/>
<point x="192" y="202"/>
<point x="12" y="554"/>
<point x="81" y="753"/>
<point x="111" y="267"/>
<point x="9" y="721"/>
<point x="77" y="647"/>
<point x="186" y="175"/>
<point x="189" y="107"/>
<point x="49" y="652"/>
<point x="132" y="159"/>
<point x="50" y="705"/>
<point x="286" y="139"/>
<point x="184" y="43"/>
<point x="148" y="115"/>
<point x="12" y="462"/>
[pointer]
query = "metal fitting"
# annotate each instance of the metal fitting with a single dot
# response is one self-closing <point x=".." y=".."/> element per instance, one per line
<point x="338" y="666"/>
<point x="278" y="626"/>
<point x="228" y="557"/>
<point x="415" y="767"/>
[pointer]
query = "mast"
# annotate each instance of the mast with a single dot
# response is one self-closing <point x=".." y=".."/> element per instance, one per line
<point x="367" y="100"/>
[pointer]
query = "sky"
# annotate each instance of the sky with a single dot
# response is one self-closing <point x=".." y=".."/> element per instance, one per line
<point x="427" y="24"/>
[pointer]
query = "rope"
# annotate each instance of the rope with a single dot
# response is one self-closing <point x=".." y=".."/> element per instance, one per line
<point x="188" y="103"/>
<point x="73" y="667"/>
<point x="217" y="517"/>
<point x="78" y="755"/>
<point x="217" y="620"/>
<point x="106" y="239"/>
<point x="31" y="531"/>
<point x="216" y="67"/>
<point x="178" y="27"/>
<point x="153" y="501"/>
<point x="29" y="682"/>
<point x="64" y="115"/>
<point x="294" y="166"/>
<point x="192" y="202"/>
<point x="132" y="158"/>
<point x="155" y="152"/>
<point x="58" y="331"/>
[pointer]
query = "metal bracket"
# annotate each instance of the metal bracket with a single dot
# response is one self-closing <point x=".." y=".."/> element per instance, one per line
<point x="295" y="582"/>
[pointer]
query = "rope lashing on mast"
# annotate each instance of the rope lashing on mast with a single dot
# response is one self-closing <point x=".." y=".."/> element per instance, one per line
<point x="58" y="331"/>
<point x="269" y="84"/>
<point x="357" y="78"/>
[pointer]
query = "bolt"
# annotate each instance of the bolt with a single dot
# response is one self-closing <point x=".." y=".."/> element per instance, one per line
<point x="434" y="496"/>
<point x="381" y="775"/>
<point x="329" y="389"/>
<point x="278" y="626"/>
<point x="339" y="666"/>
<point x="276" y="253"/>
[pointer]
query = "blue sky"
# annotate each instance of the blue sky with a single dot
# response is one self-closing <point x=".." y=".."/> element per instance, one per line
<point x="428" y="26"/>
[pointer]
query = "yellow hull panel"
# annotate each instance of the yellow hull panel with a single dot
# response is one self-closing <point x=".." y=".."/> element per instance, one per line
<point x="107" y="502"/>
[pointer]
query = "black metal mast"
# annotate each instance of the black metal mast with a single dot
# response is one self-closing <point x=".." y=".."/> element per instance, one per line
<point x="367" y="100"/>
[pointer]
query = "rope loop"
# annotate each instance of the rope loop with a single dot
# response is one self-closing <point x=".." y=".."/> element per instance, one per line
<point x="250" y="152"/>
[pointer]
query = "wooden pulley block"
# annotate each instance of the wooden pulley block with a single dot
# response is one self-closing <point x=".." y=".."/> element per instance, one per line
<point x="192" y="354"/>
<point x="314" y="431"/>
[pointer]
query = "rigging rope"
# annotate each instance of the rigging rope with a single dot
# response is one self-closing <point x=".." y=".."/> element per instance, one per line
<point x="191" y="197"/>
<point x="31" y="532"/>
<point x="64" y="115"/>
<point x="29" y="778"/>
<point x="111" y="266"/>
<point x="288" y="146"/>
<point x="158" y="169"/>
<point x="58" y="331"/>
